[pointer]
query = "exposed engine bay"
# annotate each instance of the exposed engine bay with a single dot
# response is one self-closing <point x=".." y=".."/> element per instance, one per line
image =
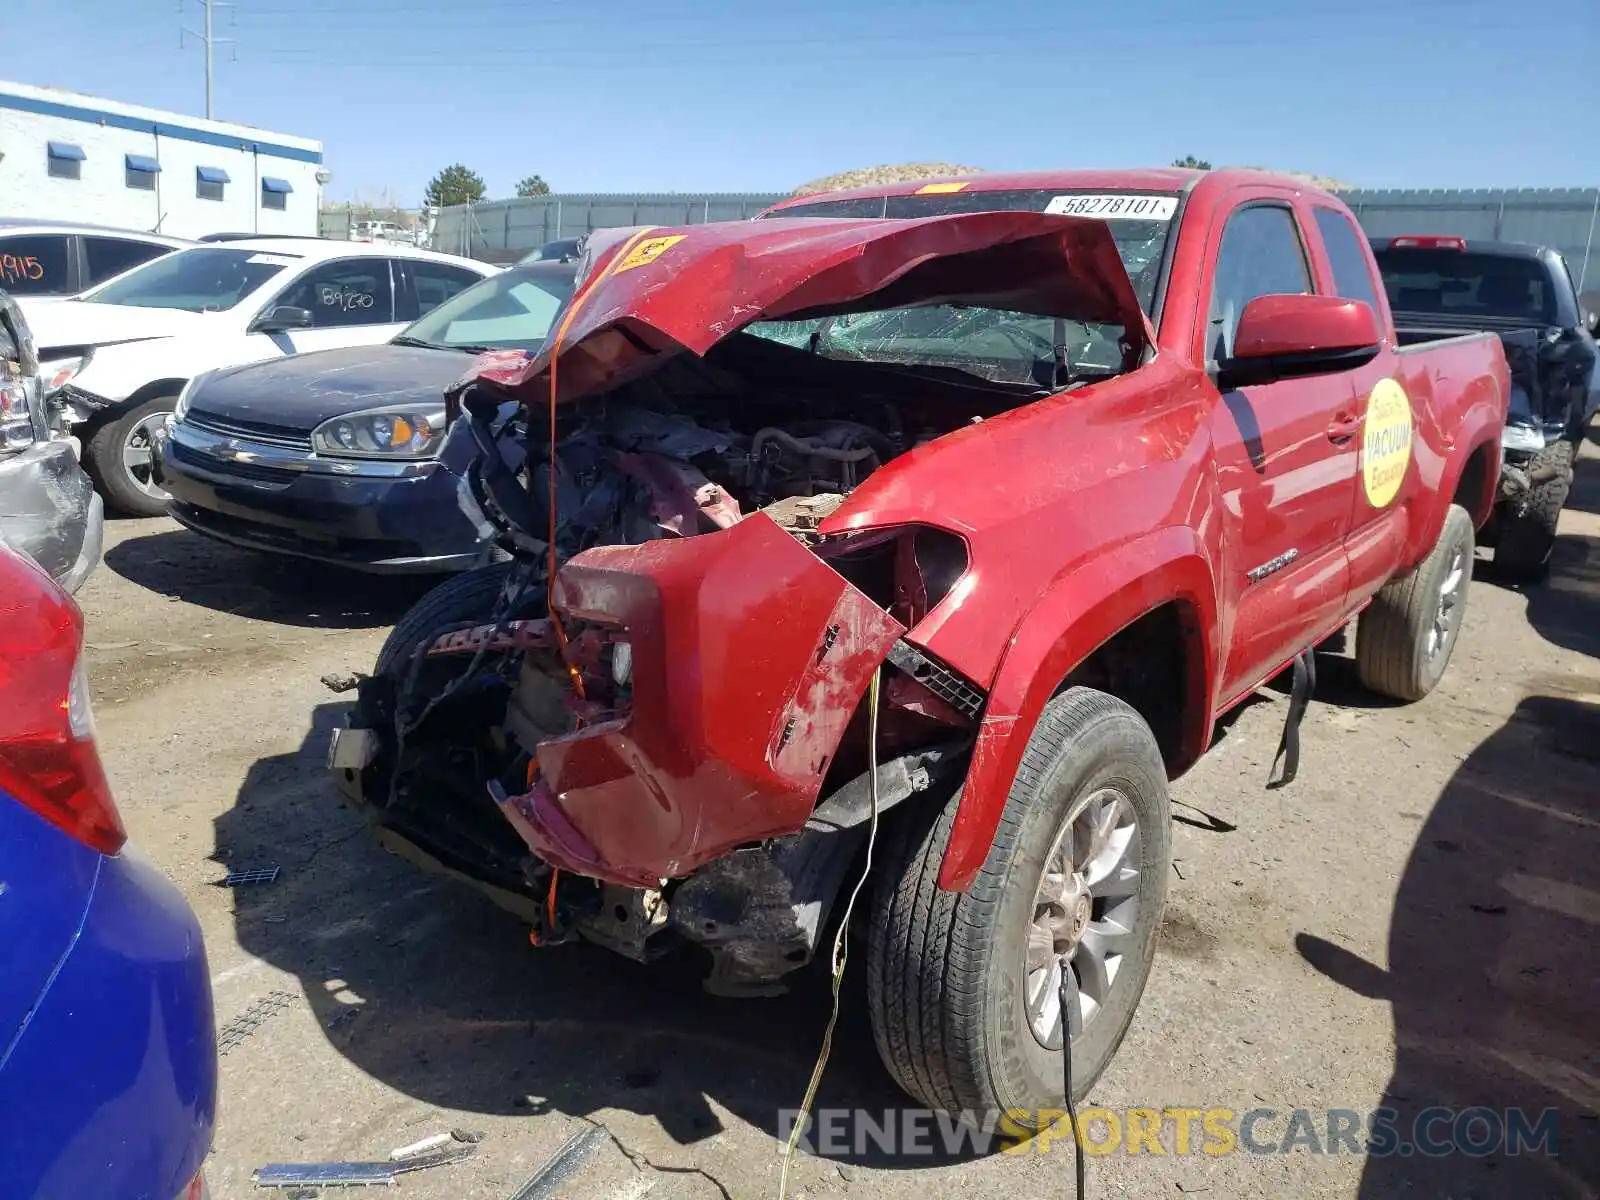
<point x="474" y="720"/>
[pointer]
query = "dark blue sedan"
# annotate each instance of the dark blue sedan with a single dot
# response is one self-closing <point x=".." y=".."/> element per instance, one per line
<point x="108" y="1062"/>
<point x="342" y="455"/>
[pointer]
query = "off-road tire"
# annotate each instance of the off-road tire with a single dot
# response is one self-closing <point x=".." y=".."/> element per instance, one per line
<point x="102" y="458"/>
<point x="1392" y="635"/>
<point x="1526" y="539"/>
<point x="946" y="970"/>
<point x="468" y="596"/>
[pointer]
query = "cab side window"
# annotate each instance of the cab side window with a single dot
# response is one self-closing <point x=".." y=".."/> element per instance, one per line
<point x="349" y="291"/>
<point x="1348" y="254"/>
<point x="1261" y="255"/>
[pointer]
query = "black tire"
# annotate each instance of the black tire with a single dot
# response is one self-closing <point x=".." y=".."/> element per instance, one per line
<point x="1527" y="537"/>
<point x="1397" y="652"/>
<point x="103" y="458"/>
<point x="947" y="969"/>
<point x="468" y="596"/>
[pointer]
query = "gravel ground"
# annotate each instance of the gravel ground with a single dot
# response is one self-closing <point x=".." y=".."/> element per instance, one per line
<point x="1413" y="922"/>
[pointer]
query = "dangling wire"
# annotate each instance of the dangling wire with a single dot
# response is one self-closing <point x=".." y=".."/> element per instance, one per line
<point x="840" y="940"/>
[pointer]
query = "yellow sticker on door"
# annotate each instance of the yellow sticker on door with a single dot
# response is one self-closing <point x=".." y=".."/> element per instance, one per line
<point x="1385" y="443"/>
<point x="648" y="251"/>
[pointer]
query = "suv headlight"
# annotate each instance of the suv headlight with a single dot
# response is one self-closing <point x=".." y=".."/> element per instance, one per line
<point x="401" y="431"/>
<point x="57" y="374"/>
<point x="16" y="415"/>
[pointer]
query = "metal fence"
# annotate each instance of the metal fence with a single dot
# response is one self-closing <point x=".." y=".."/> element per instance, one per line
<point x="1562" y="218"/>
<point x="504" y="230"/>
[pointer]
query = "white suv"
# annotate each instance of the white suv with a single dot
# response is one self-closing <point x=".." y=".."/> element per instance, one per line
<point x="117" y="358"/>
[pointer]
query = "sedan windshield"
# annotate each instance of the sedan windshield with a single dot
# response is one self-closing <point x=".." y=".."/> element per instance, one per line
<point x="204" y="279"/>
<point x="509" y="311"/>
<point x="1001" y="347"/>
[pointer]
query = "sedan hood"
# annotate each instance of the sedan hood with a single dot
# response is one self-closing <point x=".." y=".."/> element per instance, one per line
<point x="71" y="323"/>
<point x="663" y="291"/>
<point x="304" y="390"/>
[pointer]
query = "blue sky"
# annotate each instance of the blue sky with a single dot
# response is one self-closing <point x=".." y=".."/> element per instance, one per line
<point x="766" y="94"/>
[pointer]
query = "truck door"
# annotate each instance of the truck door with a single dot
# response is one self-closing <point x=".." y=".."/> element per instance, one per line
<point x="1285" y="466"/>
<point x="1383" y="412"/>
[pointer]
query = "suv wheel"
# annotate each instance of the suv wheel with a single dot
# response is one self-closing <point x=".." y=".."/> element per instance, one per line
<point x="118" y="454"/>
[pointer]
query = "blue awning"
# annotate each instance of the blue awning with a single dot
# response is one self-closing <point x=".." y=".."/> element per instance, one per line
<point x="212" y="175"/>
<point x="269" y="184"/>
<point x="143" y="163"/>
<point x="66" y="150"/>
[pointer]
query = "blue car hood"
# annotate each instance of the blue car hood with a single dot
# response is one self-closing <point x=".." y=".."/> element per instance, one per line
<point x="302" y="391"/>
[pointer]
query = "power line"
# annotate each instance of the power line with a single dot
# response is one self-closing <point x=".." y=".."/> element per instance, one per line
<point x="207" y="40"/>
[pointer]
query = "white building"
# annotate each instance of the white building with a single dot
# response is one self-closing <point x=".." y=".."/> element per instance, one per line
<point x="70" y="157"/>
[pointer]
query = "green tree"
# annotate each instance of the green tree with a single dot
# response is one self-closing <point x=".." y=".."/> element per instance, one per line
<point x="454" y="185"/>
<point x="533" y="185"/>
<point x="1190" y="161"/>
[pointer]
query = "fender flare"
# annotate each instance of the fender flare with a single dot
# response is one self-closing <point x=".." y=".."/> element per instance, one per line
<point x="1480" y="429"/>
<point x="1079" y="612"/>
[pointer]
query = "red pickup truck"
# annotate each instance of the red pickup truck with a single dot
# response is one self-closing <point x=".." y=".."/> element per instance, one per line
<point x="969" y="506"/>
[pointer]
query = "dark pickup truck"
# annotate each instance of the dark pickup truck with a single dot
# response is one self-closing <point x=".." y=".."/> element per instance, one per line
<point x="1443" y="286"/>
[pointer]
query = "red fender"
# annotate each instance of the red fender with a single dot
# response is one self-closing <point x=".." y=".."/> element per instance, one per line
<point x="1086" y="605"/>
<point x="1480" y="425"/>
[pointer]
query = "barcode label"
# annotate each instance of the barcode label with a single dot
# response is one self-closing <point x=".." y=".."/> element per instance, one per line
<point x="1115" y="208"/>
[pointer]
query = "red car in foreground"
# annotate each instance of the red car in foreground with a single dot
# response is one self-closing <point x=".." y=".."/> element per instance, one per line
<point x="1009" y="485"/>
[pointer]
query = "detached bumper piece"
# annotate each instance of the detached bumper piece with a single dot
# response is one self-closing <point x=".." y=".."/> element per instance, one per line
<point x="749" y="657"/>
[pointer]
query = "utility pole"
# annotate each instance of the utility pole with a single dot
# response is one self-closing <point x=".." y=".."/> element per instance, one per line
<point x="207" y="41"/>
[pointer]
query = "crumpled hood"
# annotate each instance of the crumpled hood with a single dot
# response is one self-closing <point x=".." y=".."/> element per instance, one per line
<point x="665" y="291"/>
<point x="304" y="390"/>
<point x="77" y="323"/>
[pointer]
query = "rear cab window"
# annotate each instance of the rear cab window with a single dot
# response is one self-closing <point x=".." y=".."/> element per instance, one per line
<point x="35" y="264"/>
<point x="1348" y="255"/>
<point x="1003" y="347"/>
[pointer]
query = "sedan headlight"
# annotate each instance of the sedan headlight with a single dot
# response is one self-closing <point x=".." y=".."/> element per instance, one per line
<point x="181" y="406"/>
<point x="398" y="432"/>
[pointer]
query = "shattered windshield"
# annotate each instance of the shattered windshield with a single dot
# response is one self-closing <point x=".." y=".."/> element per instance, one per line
<point x="995" y="345"/>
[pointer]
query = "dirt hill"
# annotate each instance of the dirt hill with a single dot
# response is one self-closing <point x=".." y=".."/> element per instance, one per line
<point x="873" y="176"/>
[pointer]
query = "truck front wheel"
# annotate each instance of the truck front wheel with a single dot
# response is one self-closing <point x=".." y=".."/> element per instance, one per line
<point x="1528" y="529"/>
<point x="964" y="987"/>
<point x="1405" y="637"/>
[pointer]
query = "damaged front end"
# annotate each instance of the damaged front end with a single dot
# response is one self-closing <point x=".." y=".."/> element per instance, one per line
<point x="677" y="750"/>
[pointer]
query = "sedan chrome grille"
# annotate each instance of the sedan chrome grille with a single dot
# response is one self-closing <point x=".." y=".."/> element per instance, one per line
<point x="255" y="431"/>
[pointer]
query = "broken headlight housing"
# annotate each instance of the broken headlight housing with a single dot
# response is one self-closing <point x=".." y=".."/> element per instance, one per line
<point x="399" y="431"/>
<point x="16" y="415"/>
<point x="53" y="376"/>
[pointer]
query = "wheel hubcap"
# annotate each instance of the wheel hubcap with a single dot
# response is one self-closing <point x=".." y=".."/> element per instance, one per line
<point x="1084" y="914"/>
<point x="137" y="452"/>
<point x="1448" y="611"/>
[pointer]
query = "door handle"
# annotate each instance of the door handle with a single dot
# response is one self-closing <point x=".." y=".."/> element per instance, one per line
<point x="1344" y="426"/>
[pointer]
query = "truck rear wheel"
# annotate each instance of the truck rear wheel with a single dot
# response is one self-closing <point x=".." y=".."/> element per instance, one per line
<point x="964" y="987"/>
<point x="1528" y="536"/>
<point x="1405" y="637"/>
